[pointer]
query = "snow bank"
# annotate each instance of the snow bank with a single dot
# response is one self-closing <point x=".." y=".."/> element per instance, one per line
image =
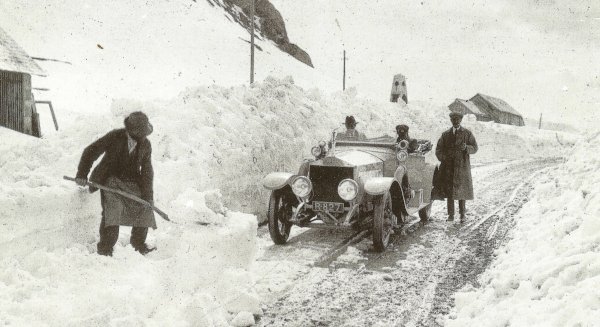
<point x="229" y="138"/>
<point x="50" y="275"/>
<point x="548" y="273"/>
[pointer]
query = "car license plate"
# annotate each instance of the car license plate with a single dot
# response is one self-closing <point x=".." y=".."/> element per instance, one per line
<point x="328" y="206"/>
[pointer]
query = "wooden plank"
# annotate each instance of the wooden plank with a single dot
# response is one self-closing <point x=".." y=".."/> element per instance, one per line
<point x="27" y="105"/>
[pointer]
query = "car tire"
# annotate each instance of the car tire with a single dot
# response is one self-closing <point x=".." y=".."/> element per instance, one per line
<point x="384" y="221"/>
<point x="425" y="213"/>
<point x="280" y="212"/>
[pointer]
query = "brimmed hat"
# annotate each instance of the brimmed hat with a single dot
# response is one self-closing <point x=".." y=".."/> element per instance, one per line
<point x="400" y="128"/>
<point x="137" y="123"/>
<point x="455" y="114"/>
<point x="350" y="120"/>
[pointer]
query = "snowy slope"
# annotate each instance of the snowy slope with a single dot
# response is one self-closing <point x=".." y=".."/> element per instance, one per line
<point x="548" y="273"/>
<point x="138" y="50"/>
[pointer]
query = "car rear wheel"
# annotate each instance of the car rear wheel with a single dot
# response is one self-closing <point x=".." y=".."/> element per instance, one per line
<point x="280" y="213"/>
<point x="425" y="213"/>
<point x="384" y="221"/>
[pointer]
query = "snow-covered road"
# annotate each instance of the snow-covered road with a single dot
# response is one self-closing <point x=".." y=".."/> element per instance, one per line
<point x="412" y="283"/>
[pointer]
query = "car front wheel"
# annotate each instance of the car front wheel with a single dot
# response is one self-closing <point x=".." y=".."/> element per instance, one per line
<point x="384" y="221"/>
<point x="280" y="213"/>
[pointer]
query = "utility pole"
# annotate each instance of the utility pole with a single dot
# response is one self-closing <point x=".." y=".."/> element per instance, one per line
<point x="344" y="77"/>
<point x="252" y="43"/>
<point x="540" y="125"/>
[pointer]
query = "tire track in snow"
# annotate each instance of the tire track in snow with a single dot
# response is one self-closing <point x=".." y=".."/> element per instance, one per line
<point x="412" y="283"/>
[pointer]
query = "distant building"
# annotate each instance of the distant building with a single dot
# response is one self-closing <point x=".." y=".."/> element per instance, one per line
<point x="17" y="107"/>
<point x="467" y="107"/>
<point x="487" y="108"/>
<point x="497" y="109"/>
<point x="399" y="92"/>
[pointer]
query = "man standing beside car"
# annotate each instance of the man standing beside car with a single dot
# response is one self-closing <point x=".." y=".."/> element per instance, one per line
<point x="453" y="150"/>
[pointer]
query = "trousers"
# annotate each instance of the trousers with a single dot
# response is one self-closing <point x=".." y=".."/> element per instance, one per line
<point x="110" y="234"/>
<point x="461" y="206"/>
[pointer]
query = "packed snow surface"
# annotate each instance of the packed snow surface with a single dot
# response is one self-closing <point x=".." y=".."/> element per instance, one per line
<point x="548" y="273"/>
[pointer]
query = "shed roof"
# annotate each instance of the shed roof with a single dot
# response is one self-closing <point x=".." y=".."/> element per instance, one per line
<point x="471" y="106"/>
<point x="499" y="104"/>
<point x="14" y="59"/>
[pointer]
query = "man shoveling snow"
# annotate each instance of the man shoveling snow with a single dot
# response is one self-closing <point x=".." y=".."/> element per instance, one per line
<point x="126" y="166"/>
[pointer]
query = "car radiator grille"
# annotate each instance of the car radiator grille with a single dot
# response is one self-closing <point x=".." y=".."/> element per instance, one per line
<point x="325" y="182"/>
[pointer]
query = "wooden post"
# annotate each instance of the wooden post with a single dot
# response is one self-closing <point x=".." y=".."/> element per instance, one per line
<point x="49" y="103"/>
<point x="252" y="43"/>
<point x="344" y="76"/>
<point x="540" y="125"/>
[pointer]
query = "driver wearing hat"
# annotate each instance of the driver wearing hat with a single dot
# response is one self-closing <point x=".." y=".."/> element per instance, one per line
<point x="351" y="134"/>
<point x="126" y="166"/>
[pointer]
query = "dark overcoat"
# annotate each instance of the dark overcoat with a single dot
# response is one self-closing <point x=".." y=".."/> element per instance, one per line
<point x="455" y="167"/>
<point x="118" y="162"/>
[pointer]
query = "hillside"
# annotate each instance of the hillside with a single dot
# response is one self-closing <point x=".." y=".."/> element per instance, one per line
<point x="117" y="50"/>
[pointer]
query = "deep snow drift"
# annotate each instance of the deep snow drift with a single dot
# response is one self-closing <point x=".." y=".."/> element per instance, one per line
<point x="229" y="138"/>
<point x="548" y="273"/>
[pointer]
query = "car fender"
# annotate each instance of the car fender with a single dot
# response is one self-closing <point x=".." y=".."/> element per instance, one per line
<point x="399" y="173"/>
<point x="277" y="180"/>
<point x="378" y="185"/>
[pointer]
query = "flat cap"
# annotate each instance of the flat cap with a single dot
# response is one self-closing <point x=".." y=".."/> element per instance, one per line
<point x="455" y="114"/>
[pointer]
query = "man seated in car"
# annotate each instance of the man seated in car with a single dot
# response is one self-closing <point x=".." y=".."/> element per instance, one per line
<point x="402" y="131"/>
<point x="351" y="134"/>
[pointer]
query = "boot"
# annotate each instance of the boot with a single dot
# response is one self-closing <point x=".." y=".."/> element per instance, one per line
<point x="462" y="217"/>
<point x="144" y="249"/>
<point x="108" y="253"/>
<point x="450" y="218"/>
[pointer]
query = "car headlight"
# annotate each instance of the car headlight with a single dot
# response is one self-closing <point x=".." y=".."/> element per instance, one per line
<point x="348" y="189"/>
<point x="402" y="155"/>
<point x="301" y="186"/>
<point x="315" y="151"/>
<point x="403" y="145"/>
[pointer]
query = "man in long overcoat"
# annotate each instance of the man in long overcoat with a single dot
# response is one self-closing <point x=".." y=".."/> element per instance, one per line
<point x="453" y="150"/>
<point x="126" y="166"/>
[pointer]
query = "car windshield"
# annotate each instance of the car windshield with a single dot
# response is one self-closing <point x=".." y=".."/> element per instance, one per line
<point x="356" y="136"/>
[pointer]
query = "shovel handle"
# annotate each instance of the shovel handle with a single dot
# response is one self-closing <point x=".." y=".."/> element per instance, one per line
<point x="130" y="196"/>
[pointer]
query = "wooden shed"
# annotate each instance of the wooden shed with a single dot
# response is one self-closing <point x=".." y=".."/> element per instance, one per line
<point x="467" y="107"/>
<point x="399" y="92"/>
<point x="498" y="110"/>
<point x="17" y="106"/>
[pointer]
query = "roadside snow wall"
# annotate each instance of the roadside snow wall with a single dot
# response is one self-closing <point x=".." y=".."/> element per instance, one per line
<point x="230" y="138"/>
<point x="548" y="273"/>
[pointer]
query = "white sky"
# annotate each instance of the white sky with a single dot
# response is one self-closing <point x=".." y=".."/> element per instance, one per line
<point x="540" y="56"/>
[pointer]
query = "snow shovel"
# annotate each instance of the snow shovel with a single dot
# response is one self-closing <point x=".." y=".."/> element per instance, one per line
<point x="125" y="194"/>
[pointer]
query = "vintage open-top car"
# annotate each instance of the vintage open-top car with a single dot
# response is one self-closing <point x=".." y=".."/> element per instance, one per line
<point x="362" y="184"/>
